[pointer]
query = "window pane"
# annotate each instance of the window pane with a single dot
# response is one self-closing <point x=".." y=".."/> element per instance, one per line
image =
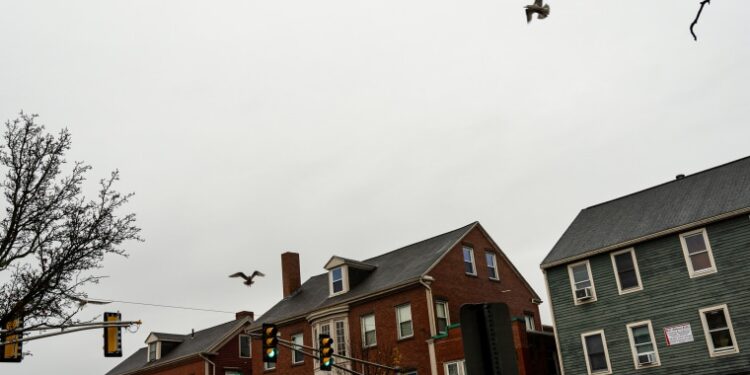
<point x="338" y="286"/>
<point x="700" y="261"/>
<point x="598" y="362"/>
<point x="594" y="344"/>
<point x="442" y="325"/>
<point x="453" y="369"/>
<point x="716" y="319"/>
<point x="647" y="348"/>
<point x="370" y="338"/>
<point x="336" y="273"/>
<point x="404" y="313"/>
<point x="641" y="335"/>
<point x="628" y="279"/>
<point x="406" y="329"/>
<point x="244" y="346"/>
<point x="468" y="263"/>
<point x="722" y="339"/>
<point x="580" y="273"/>
<point x="340" y="338"/>
<point x="695" y="243"/>
<point x="624" y="262"/>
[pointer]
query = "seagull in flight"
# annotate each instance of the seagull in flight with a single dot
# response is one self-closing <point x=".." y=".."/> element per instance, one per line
<point x="541" y="11"/>
<point x="248" y="279"/>
<point x="82" y="301"/>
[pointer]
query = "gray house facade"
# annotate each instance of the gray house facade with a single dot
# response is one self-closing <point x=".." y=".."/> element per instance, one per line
<point x="658" y="281"/>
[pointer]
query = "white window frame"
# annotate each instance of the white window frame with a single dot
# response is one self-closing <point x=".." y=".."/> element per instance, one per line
<point x="573" y="283"/>
<point x="617" y="272"/>
<point x="269" y="366"/>
<point x="633" y="349"/>
<point x="686" y="254"/>
<point x="586" y="352"/>
<point x="344" y="280"/>
<point x="473" y="261"/>
<point x="294" y="352"/>
<point x="460" y="365"/>
<point x="156" y="351"/>
<point x="528" y="319"/>
<point x="447" y="315"/>
<point x="364" y="333"/>
<point x="709" y="341"/>
<point x="249" y="346"/>
<point x="398" y="321"/>
<point x="494" y="265"/>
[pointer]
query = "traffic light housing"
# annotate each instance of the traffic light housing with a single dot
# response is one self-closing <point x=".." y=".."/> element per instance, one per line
<point x="112" y="336"/>
<point x="12" y="352"/>
<point x="270" y="342"/>
<point x="326" y="352"/>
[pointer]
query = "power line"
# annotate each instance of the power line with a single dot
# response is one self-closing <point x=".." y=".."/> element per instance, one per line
<point x="164" y="306"/>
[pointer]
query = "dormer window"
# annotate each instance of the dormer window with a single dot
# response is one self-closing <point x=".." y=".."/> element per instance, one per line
<point x="337" y="280"/>
<point x="152" y="351"/>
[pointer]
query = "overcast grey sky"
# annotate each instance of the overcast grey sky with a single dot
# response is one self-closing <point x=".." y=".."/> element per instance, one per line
<point x="350" y="127"/>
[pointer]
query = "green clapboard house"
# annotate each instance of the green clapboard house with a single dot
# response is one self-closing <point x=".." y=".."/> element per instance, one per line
<point x="658" y="281"/>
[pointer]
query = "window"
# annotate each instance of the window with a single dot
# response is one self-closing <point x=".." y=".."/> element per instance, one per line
<point x="455" y="368"/>
<point x="595" y="351"/>
<point x="581" y="282"/>
<point x="269" y="365"/>
<point x="643" y="344"/>
<point x="528" y="318"/>
<point x="232" y="372"/>
<point x="717" y="326"/>
<point x="626" y="271"/>
<point x="337" y="280"/>
<point x="441" y="315"/>
<point x="340" y="338"/>
<point x="368" y="331"/>
<point x="469" y="261"/>
<point x="491" y="265"/>
<point x="297" y="355"/>
<point x="245" y="346"/>
<point x="152" y="351"/>
<point x="403" y="315"/>
<point x="697" y="252"/>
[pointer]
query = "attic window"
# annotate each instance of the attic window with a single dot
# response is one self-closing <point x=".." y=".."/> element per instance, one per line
<point x="338" y="280"/>
<point x="152" y="351"/>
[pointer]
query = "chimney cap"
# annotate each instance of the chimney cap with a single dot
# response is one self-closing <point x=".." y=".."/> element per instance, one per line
<point x="244" y="314"/>
<point x="679" y="176"/>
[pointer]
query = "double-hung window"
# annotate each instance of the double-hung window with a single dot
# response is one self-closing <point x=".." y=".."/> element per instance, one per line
<point x="528" y="319"/>
<point x="337" y="280"/>
<point x="697" y="251"/>
<point x="368" y="331"/>
<point x="152" y="351"/>
<point x="469" y="267"/>
<point x="626" y="271"/>
<point x="245" y="351"/>
<point x="581" y="282"/>
<point x="441" y="316"/>
<point x="643" y="344"/>
<point x="455" y="368"/>
<point x="717" y="327"/>
<point x="340" y="337"/>
<point x="403" y="315"/>
<point x="491" y="259"/>
<point x="595" y="351"/>
<point x="297" y="355"/>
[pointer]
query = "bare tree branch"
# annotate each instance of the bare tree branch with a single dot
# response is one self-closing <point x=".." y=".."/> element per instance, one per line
<point x="697" y="16"/>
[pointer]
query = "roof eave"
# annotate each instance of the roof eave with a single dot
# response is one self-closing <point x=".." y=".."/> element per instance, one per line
<point x="679" y="228"/>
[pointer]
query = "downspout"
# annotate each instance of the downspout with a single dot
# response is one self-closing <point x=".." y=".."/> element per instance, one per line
<point x="213" y="365"/>
<point x="426" y="280"/>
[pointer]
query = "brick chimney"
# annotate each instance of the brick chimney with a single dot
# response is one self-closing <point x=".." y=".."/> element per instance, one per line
<point x="241" y="314"/>
<point x="290" y="272"/>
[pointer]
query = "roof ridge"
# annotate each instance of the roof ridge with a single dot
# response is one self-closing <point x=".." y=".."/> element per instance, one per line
<point x="425" y="240"/>
<point x="669" y="182"/>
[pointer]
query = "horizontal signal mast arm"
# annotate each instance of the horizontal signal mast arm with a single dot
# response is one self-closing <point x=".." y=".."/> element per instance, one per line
<point x="70" y="329"/>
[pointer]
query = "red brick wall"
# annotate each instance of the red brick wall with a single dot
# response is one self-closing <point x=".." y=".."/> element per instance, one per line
<point x="458" y="288"/>
<point x="192" y="367"/>
<point x="449" y="349"/>
<point x="229" y="358"/>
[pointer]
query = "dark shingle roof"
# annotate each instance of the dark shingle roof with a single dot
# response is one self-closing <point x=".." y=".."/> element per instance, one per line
<point x="392" y="269"/>
<point x="201" y="342"/>
<point x="716" y="191"/>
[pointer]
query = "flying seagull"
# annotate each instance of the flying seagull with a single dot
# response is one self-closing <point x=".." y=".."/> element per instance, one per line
<point x="248" y="279"/>
<point x="82" y="301"/>
<point x="541" y="11"/>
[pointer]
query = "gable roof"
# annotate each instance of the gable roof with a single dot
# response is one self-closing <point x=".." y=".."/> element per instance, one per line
<point x="202" y="342"/>
<point x="709" y="195"/>
<point x="400" y="267"/>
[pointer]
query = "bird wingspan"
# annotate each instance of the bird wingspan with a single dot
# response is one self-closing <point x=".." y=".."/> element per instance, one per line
<point x="258" y="273"/>
<point x="239" y="274"/>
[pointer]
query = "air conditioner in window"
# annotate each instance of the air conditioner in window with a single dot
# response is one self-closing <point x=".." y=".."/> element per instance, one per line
<point x="584" y="294"/>
<point x="646" y="359"/>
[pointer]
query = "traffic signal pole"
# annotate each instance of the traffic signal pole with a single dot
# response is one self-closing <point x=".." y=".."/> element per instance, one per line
<point x="65" y="330"/>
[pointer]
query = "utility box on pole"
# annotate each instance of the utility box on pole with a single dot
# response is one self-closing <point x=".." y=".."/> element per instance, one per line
<point x="488" y="339"/>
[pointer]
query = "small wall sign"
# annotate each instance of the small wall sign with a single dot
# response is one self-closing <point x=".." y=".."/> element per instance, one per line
<point x="678" y="334"/>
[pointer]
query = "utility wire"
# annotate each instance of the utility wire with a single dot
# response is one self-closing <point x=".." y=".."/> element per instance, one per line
<point x="164" y="306"/>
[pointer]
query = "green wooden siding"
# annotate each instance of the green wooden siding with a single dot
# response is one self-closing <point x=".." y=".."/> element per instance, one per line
<point x="669" y="297"/>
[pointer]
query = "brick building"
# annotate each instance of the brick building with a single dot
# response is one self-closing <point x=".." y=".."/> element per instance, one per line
<point x="396" y="308"/>
<point x="224" y="349"/>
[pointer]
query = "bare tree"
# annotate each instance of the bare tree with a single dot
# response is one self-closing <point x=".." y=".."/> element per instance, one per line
<point x="52" y="236"/>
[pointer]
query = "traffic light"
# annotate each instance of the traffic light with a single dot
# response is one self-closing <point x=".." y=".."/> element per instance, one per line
<point x="12" y="352"/>
<point x="112" y="336"/>
<point x="326" y="352"/>
<point x="270" y="342"/>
